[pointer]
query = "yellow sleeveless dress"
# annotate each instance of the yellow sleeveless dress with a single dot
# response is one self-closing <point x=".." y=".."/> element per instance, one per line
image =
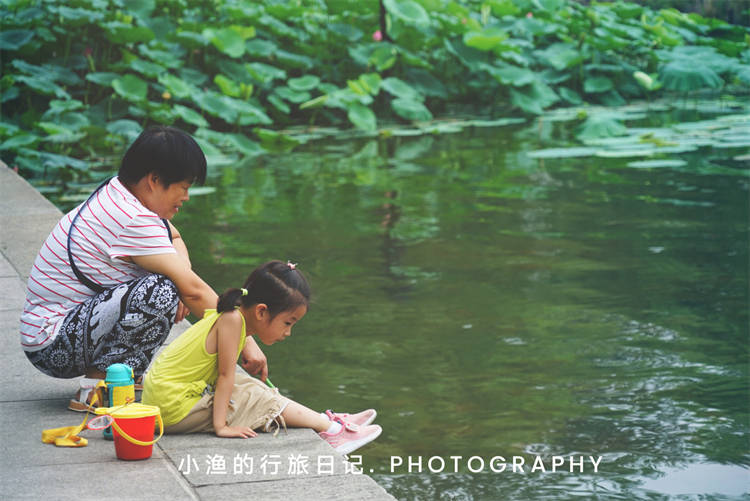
<point x="182" y="371"/>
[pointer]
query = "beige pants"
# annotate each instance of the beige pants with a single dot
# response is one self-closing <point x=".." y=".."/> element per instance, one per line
<point x="252" y="404"/>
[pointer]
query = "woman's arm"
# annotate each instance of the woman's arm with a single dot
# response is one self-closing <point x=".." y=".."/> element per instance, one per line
<point x="194" y="292"/>
<point x="179" y="244"/>
<point x="228" y="335"/>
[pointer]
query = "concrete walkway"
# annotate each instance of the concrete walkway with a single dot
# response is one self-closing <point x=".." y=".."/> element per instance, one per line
<point x="296" y="465"/>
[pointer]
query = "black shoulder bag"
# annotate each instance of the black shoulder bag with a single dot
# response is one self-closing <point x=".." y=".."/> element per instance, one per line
<point x="79" y="275"/>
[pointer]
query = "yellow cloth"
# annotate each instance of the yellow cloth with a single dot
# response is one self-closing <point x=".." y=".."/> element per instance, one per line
<point x="178" y="376"/>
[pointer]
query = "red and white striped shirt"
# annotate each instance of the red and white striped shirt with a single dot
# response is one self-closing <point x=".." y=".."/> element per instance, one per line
<point x="114" y="224"/>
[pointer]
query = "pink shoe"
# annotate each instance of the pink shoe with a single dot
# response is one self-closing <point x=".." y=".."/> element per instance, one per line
<point x="360" y="419"/>
<point x="351" y="437"/>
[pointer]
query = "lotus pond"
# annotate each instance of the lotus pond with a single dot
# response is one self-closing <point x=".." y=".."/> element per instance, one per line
<point x="513" y="291"/>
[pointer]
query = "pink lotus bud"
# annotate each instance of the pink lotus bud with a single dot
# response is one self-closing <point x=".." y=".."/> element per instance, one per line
<point x="88" y="51"/>
<point x="377" y="36"/>
<point x="529" y="15"/>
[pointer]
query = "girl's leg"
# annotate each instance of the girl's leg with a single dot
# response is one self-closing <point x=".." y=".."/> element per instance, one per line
<point x="298" y="416"/>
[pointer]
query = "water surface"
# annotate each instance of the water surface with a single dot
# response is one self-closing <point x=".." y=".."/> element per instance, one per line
<point x="489" y="304"/>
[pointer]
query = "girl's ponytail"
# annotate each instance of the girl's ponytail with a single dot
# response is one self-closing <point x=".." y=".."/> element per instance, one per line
<point x="229" y="300"/>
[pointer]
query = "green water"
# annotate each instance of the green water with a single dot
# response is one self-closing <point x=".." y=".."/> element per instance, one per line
<point x="488" y="304"/>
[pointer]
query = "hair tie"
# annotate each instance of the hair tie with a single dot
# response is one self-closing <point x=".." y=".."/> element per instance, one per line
<point x="291" y="265"/>
<point x="244" y="292"/>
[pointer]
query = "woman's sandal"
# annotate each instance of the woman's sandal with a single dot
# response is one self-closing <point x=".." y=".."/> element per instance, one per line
<point x="84" y="399"/>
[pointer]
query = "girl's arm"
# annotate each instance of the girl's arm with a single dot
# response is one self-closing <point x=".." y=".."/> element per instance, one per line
<point x="228" y="336"/>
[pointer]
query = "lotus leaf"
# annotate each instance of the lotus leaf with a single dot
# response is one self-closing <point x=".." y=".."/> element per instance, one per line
<point x="510" y="75"/>
<point x="43" y="85"/>
<point x="499" y="122"/>
<point x="598" y="84"/>
<point x="244" y="145"/>
<point x="313" y="103"/>
<point x="279" y="104"/>
<point x="249" y="114"/>
<point x="23" y="139"/>
<point x="657" y="163"/>
<point x="400" y="89"/>
<point x="195" y="191"/>
<point x="486" y="39"/>
<point x="121" y="33"/>
<point x="685" y="75"/>
<point x="190" y="116"/>
<point x="176" y="86"/>
<point x="56" y="107"/>
<point x="732" y="144"/>
<point x="382" y="58"/>
<point x="127" y="128"/>
<point x="15" y="39"/>
<point x="362" y="117"/>
<point x="347" y="31"/>
<point x="265" y="73"/>
<point x="502" y="8"/>
<point x="275" y="141"/>
<point x="147" y="68"/>
<point x="294" y="60"/>
<point x="411" y="109"/>
<point x="425" y="83"/>
<point x="191" y="39"/>
<point x="217" y="105"/>
<point x="570" y="95"/>
<point x="260" y="48"/>
<point x="407" y="11"/>
<point x="291" y="95"/>
<point x="561" y="55"/>
<point x="612" y="98"/>
<point x="228" y="87"/>
<point x="600" y="126"/>
<point x="229" y="40"/>
<point x="130" y="87"/>
<point x="468" y="56"/>
<point x="10" y="94"/>
<point x="308" y="82"/>
<point x="549" y="5"/>
<point x="573" y="152"/>
<point x="53" y="160"/>
<point x="625" y="153"/>
<point x="534" y="98"/>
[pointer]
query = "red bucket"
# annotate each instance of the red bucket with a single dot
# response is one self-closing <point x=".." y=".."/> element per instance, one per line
<point x="133" y="430"/>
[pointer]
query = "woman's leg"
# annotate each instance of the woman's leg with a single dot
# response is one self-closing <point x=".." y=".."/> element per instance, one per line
<point x="129" y="326"/>
<point x="125" y="324"/>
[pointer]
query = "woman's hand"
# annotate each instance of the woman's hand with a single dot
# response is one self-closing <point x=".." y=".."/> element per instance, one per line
<point x="235" y="432"/>
<point x="182" y="312"/>
<point x="253" y="360"/>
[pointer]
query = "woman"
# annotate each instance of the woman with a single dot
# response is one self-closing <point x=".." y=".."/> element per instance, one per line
<point x="114" y="274"/>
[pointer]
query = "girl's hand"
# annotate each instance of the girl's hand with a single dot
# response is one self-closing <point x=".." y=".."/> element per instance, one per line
<point x="253" y="360"/>
<point x="235" y="432"/>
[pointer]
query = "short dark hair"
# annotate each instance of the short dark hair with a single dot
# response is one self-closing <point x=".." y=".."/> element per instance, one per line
<point x="168" y="152"/>
<point x="280" y="286"/>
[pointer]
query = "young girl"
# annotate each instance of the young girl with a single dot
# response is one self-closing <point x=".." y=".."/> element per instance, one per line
<point x="194" y="382"/>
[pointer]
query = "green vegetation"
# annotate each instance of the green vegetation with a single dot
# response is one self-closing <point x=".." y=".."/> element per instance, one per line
<point x="81" y="78"/>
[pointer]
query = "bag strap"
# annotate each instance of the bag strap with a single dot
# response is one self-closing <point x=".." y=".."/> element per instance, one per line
<point x="76" y="271"/>
<point x="67" y="436"/>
